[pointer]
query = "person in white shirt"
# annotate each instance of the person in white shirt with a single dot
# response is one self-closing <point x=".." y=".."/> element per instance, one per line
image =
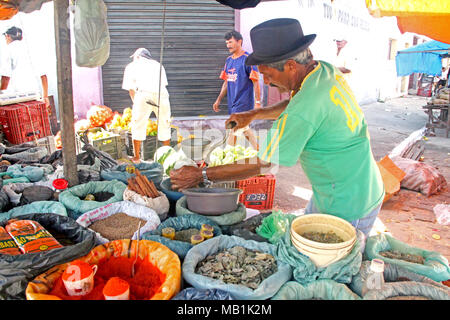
<point x="19" y="75"/>
<point x="342" y="59"/>
<point x="141" y="79"/>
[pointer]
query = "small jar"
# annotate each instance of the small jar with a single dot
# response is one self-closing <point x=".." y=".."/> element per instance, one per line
<point x="207" y="227"/>
<point x="206" y="234"/>
<point x="168" y="233"/>
<point x="196" y="239"/>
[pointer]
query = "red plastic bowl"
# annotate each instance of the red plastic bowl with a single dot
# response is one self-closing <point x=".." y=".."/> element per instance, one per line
<point x="60" y="184"/>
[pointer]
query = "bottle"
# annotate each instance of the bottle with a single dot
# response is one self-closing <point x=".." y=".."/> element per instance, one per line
<point x="375" y="277"/>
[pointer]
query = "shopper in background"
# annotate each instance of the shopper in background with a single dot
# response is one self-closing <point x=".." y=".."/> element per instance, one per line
<point x="18" y="73"/>
<point x="240" y="85"/>
<point x="141" y="79"/>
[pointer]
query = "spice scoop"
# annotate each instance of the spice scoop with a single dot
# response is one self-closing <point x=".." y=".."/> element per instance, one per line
<point x="137" y="250"/>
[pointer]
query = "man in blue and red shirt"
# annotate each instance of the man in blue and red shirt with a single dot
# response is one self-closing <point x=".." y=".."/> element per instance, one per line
<point x="241" y="84"/>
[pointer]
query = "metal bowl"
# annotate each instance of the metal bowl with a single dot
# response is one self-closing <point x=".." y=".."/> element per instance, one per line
<point x="212" y="201"/>
<point x="193" y="148"/>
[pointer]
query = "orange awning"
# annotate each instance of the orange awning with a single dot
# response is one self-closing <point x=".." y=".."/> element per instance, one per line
<point x="427" y="17"/>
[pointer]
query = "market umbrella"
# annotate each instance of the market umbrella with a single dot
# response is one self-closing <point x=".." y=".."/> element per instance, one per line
<point x="423" y="58"/>
<point x="427" y="17"/>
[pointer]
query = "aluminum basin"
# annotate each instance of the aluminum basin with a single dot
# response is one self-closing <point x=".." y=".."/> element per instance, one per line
<point x="193" y="148"/>
<point x="212" y="201"/>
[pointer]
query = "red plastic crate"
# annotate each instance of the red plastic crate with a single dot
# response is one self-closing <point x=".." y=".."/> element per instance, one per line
<point x="19" y="124"/>
<point x="258" y="191"/>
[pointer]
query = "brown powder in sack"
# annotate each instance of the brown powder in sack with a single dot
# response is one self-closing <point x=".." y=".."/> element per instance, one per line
<point x="117" y="226"/>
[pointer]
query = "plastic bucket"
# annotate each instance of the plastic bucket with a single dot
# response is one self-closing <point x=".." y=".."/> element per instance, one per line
<point x="322" y="254"/>
<point x="76" y="286"/>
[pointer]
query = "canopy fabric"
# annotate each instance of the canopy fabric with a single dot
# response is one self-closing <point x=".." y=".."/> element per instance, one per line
<point x="427" y="17"/>
<point x="9" y="8"/>
<point x="423" y="58"/>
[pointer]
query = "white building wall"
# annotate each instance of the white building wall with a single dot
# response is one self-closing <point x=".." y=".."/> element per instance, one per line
<point x="373" y="75"/>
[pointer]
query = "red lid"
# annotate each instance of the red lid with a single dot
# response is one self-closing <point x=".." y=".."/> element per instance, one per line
<point x="60" y="184"/>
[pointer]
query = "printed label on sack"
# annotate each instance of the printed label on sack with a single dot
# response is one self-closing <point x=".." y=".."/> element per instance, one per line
<point x="7" y="244"/>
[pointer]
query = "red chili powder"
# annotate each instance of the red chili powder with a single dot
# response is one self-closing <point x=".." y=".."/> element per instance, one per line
<point x="146" y="282"/>
<point x="85" y="270"/>
<point x="115" y="286"/>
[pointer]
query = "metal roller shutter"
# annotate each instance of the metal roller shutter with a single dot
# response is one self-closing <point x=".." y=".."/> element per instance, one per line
<point x="194" y="50"/>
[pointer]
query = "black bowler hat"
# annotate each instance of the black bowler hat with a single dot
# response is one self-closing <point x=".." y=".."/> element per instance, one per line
<point x="276" y="40"/>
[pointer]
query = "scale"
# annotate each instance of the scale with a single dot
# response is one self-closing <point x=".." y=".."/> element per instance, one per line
<point x="17" y="97"/>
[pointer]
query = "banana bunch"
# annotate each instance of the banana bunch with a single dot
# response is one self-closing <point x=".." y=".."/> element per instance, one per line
<point x="123" y="121"/>
<point x="116" y="122"/>
<point x="126" y="117"/>
<point x="152" y="128"/>
<point x="99" y="135"/>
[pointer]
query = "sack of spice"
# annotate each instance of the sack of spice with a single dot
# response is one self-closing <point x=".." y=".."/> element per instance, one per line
<point x="186" y="222"/>
<point x="73" y="198"/>
<point x="119" y="220"/>
<point x="392" y="273"/>
<point x="160" y="204"/>
<point x="267" y="287"/>
<point x="114" y="259"/>
<point x="435" y="266"/>
<point x="16" y="271"/>
<point x="324" y="289"/>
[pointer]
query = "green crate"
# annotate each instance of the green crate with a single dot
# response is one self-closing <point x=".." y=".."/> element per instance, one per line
<point x="111" y="145"/>
<point x="149" y="147"/>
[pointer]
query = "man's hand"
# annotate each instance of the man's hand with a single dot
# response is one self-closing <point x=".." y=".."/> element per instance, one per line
<point x="242" y="119"/>
<point x="216" y="106"/>
<point x="185" y="177"/>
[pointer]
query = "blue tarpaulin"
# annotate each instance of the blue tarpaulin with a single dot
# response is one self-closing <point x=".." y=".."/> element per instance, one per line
<point x="423" y="58"/>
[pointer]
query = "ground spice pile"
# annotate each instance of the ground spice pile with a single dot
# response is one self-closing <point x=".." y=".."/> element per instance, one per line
<point x="146" y="282"/>
<point x="117" y="226"/>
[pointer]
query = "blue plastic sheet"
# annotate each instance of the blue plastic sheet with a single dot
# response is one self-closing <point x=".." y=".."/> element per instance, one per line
<point x="153" y="171"/>
<point x="35" y="207"/>
<point x="422" y="58"/>
<point x="203" y="294"/>
<point x="317" y="290"/>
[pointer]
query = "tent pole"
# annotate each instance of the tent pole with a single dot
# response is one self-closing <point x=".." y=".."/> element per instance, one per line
<point x="64" y="76"/>
<point x="160" y="69"/>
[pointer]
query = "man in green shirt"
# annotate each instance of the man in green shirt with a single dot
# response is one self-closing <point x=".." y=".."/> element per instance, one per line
<point x="321" y="125"/>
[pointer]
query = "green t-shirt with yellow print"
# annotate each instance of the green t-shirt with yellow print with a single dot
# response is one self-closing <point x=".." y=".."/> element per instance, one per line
<point x="324" y="127"/>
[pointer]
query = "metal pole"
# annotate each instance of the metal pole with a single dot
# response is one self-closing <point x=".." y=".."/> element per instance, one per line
<point x="161" y="66"/>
